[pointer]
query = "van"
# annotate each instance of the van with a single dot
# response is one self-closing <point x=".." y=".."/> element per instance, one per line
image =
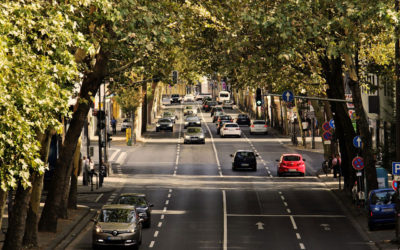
<point x="223" y="96"/>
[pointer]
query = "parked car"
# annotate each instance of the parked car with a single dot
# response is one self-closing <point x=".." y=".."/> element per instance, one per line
<point x="208" y="105"/>
<point x="227" y="104"/>
<point x="126" y="123"/>
<point x="117" y="225"/>
<point x="217" y="114"/>
<point x="230" y="129"/>
<point x="244" y="159"/>
<point x="258" y="127"/>
<point x="164" y="124"/>
<point x="215" y="109"/>
<point x="143" y="207"/>
<point x="201" y="97"/>
<point x="175" y="98"/>
<point x="169" y="115"/>
<point x="192" y="121"/>
<point x="243" y="119"/>
<point x="188" y="98"/>
<point x="223" y="96"/>
<point x="190" y="110"/>
<point x="291" y="164"/>
<point x="194" y="135"/>
<point x="165" y="100"/>
<point x="381" y="206"/>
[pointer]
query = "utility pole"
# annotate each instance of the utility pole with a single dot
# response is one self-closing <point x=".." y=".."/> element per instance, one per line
<point x="99" y="117"/>
<point x="397" y="70"/>
<point x="106" y="123"/>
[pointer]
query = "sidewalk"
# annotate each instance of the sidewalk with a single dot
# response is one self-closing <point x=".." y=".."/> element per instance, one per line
<point x="380" y="238"/>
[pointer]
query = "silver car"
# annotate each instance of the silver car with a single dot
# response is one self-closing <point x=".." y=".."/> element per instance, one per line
<point x="169" y="115"/>
<point x="258" y="126"/>
<point x="117" y="225"/>
<point x="192" y="121"/>
<point x="194" y="135"/>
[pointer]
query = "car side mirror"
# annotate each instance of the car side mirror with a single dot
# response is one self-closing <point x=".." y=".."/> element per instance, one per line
<point x="277" y="160"/>
<point x="231" y="155"/>
<point x="304" y="159"/>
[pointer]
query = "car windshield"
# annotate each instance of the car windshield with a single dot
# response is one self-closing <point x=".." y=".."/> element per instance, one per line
<point x="188" y="107"/>
<point x="212" y="103"/>
<point x="242" y="116"/>
<point x="125" y="120"/>
<point x="165" y="120"/>
<point x="167" y="114"/>
<point x="223" y="95"/>
<point x="231" y="125"/>
<point x="132" y="200"/>
<point x="244" y="156"/>
<point x="174" y="95"/>
<point x="259" y="122"/>
<point x="383" y="198"/>
<point x="192" y="118"/>
<point x="225" y="117"/>
<point x="194" y="130"/>
<point x="291" y="158"/>
<point x="117" y="215"/>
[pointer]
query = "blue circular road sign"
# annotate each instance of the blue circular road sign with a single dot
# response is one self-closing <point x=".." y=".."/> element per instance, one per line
<point x="332" y="123"/>
<point x="287" y="96"/>
<point x="357" y="141"/>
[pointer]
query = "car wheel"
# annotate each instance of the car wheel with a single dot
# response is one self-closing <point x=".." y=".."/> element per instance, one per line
<point x="266" y="133"/>
<point x="172" y="130"/>
<point x="251" y="133"/>
<point x="221" y="136"/>
<point x="371" y="226"/>
<point x="254" y="169"/>
<point x="203" y="142"/>
<point x="302" y="174"/>
<point x="157" y="130"/>
<point x="279" y="174"/>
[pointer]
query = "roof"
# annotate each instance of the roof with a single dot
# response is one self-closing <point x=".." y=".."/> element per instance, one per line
<point x="133" y="194"/>
<point x="244" y="150"/>
<point x="293" y="154"/>
<point x="118" y="206"/>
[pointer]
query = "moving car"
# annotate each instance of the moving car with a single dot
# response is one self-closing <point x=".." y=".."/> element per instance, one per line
<point x="244" y="159"/>
<point x="223" y="96"/>
<point x="230" y="129"/>
<point x="291" y="164"/>
<point x="194" y="135"/>
<point x="381" y="206"/>
<point x="217" y="114"/>
<point x="208" y="105"/>
<point x="192" y="121"/>
<point x="164" y="124"/>
<point x="169" y="115"/>
<point x="201" y="97"/>
<point x="258" y="126"/>
<point x="243" y="119"/>
<point x="175" y="98"/>
<point x="165" y="100"/>
<point x="190" y="110"/>
<point x="215" y="109"/>
<point x="220" y="123"/>
<point x="188" y="98"/>
<point x="126" y="123"/>
<point x="143" y="207"/>
<point x="225" y="117"/>
<point x="117" y="225"/>
<point x="227" y="104"/>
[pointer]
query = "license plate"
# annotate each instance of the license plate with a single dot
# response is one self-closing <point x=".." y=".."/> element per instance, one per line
<point x="292" y="170"/>
<point x="114" y="238"/>
<point x="244" y="164"/>
<point x="387" y="209"/>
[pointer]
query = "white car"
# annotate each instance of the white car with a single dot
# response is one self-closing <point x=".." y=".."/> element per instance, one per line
<point x="188" y="98"/>
<point x="230" y="129"/>
<point x="258" y="127"/>
<point x="166" y="100"/>
<point x="190" y="110"/>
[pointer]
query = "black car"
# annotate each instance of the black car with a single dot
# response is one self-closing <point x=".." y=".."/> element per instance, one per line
<point x="225" y="117"/>
<point x="175" y="98"/>
<point x="220" y="124"/>
<point x="244" y="159"/>
<point x="208" y="105"/>
<point x="215" y="109"/>
<point x="243" y="119"/>
<point x="165" y="124"/>
<point x="140" y="202"/>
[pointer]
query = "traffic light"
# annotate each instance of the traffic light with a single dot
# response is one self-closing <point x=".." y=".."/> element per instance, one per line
<point x="258" y="97"/>
<point x="101" y="119"/>
<point x="109" y="137"/>
<point x="174" y="77"/>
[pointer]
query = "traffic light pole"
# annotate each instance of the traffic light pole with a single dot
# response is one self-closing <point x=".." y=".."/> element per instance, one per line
<point x="105" y="127"/>
<point x="99" y="117"/>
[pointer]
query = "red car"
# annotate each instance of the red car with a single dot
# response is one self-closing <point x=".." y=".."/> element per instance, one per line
<point x="291" y="164"/>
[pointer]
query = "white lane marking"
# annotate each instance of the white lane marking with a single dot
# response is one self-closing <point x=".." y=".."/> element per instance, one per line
<point x="288" y="210"/>
<point x="170" y="190"/>
<point x="98" y="198"/>
<point x="293" y="223"/>
<point x="114" y="154"/>
<point x="302" y="246"/>
<point x="159" y="224"/>
<point x="298" y="236"/>
<point x="162" y="217"/>
<point x="284" y="203"/>
<point x="212" y="142"/>
<point x="165" y="209"/>
<point x="174" y="173"/>
<point x="169" y="195"/>
<point x="225" y="240"/>
<point x="166" y="202"/>
<point x="283" y="198"/>
<point x="155" y="234"/>
<point x="279" y="192"/>
<point x="269" y="172"/>
<point x="121" y="158"/>
<point x="288" y="215"/>
<point x="152" y="244"/>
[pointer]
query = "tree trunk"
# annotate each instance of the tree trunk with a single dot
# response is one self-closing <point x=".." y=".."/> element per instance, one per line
<point x="299" y="120"/>
<point x="319" y="114"/>
<point x="31" y="229"/>
<point x="16" y="224"/>
<point x="150" y="105"/>
<point x="3" y="198"/>
<point x="363" y="127"/>
<point x="144" y="107"/>
<point x="73" y="190"/>
<point x="90" y="85"/>
<point x="333" y="74"/>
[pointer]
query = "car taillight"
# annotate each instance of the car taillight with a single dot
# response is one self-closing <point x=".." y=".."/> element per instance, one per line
<point x="225" y="129"/>
<point x="237" y="128"/>
<point x="206" y="106"/>
<point x="265" y="126"/>
<point x="252" y="126"/>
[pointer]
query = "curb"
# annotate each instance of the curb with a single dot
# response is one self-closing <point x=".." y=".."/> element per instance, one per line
<point x="60" y="238"/>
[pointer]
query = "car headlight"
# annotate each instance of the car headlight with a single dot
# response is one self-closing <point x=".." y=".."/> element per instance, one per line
<point x="98" y="229"/>
<point x="376" y="209"/>
<point x="201" y="136"/>
<point x="198" y="122"/>
<point x="186" y="123"/>
<point x="170" y="125"/>
<point x="132" y="230"/>
<point x="187" y="137"/>
<point x="157" y="125"/>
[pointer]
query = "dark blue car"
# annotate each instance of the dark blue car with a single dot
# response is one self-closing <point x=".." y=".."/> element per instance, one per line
<point x="381" y="205"/>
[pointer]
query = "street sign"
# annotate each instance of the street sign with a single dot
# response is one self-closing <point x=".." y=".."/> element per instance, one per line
<point x="327" y="136"/>
<point x="357" y="141"/>
<point x="394" y="185"/>
<point x="287" y="96"/>
<point x="332" y="123"/>
<point x="358" y="163"/>
<point x="358" y="173"/>
<point x="326" y="126"/>
<point x="396" y="168"/>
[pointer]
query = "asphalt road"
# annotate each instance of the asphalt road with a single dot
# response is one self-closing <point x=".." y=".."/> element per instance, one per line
<point x="200" y="203"/>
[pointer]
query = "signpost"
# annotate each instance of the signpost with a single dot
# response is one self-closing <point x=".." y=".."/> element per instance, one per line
<point x="326" y="126"/>
<point x="357" y="141"/>
<point x="395" y="185"/>
<point x="327" y="136"/>
<point x="287" y="96"/>
<point x="358" y="163"/>
<point x="396" y="168"/>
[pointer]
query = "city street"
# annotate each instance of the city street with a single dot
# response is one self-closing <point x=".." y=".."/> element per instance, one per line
<point x="201" y="203"/>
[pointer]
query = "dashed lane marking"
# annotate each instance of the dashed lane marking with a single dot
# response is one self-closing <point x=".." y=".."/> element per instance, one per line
<point x="151" y="244"/>
<point x="162" y="217"/>
<point x="159" y="224"/>
<point x="288" y="210"/>
<point x="166" y="202"/>
<point x="302" y="246"/>
<point x="293" y="223"/>
<point x="99" y="197"/>
<point x="298" y="236"/>
<point x="156" y="234"/>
